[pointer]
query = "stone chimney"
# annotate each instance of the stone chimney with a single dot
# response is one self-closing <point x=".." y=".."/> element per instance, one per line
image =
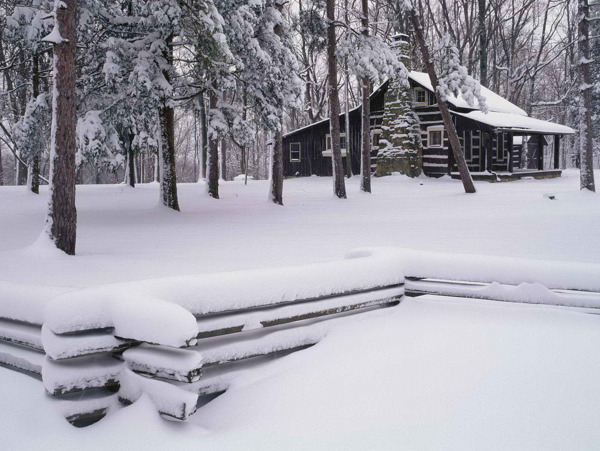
<point x="400" y="140"/>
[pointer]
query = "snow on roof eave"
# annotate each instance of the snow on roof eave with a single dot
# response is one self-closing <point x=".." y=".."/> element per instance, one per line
<point x="494" y="102"/>
<point x="350" y="111"/>
<point x="305" y="127"/>
<point x="322" y="120"/>
<point x="517" y="123"/>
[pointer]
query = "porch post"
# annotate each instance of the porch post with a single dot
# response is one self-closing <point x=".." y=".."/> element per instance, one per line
<point x="540" y="155"/>
<point x="510" y="152"/>
<point x="450" y="158"/>
<point x="557" y="151"/>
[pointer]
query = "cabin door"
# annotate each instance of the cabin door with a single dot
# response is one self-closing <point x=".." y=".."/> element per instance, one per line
<point x="484" y="154"/>
<point x="532" y="152"/>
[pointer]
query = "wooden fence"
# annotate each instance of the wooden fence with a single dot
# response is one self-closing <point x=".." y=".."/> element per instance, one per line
<point x="90" y="371"/>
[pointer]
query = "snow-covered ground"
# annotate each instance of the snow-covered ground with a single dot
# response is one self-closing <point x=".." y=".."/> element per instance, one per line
<point x="427" y="374"/>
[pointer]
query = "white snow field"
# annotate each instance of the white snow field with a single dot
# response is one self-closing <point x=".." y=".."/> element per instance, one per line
<point x="431" y="373"/>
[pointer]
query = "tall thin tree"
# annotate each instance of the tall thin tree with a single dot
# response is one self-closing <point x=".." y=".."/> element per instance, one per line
<point x="339" y="185"/>
<point x="483" y="42"/>
<point x="365" y="150"/>
<point x="212" y="163"/>
<point x="61" y="220"/>
<point x="459" y="156"/>
<point x="585" y="101"/>
<point x="167" y="123"/>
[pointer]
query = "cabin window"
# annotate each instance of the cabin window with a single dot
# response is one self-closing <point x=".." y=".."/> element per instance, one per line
<point x="342" y="141"/>
<point x="420" y="96"/>
<point x="294" y="151"/>
<point x="435" y="136"/>
<point x="375" y="135"/>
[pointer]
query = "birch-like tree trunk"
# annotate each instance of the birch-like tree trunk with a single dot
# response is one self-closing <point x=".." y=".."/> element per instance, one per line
<point x="585" y="105"/>
<point x="339" y="185"/>
<point x="459" y="156"/>
<point x="61" y="221"/>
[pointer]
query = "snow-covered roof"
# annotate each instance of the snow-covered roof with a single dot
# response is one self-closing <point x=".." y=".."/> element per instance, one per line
<point x="493" y="101"/>
<point x="517" y="123"/>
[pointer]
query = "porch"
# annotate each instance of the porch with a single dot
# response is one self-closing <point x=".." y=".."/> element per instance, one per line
<point x="502" y="147"/>
<point x="517" y="174"/>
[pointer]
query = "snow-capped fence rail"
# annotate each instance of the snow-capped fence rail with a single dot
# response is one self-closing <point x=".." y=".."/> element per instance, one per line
<point x="177" y="338"/>
<point x="158" y="337"/>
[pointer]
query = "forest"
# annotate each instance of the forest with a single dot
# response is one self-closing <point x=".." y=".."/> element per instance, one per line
<point x="137" y="91"/>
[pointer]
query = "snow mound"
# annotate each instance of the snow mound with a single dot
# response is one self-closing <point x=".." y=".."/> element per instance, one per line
<point x="25" y="302"/>
<point x="524" y="292"/>
<point x="154" y="321"/>
<point x="168" y="399"/>
<point x="484" y="268"/>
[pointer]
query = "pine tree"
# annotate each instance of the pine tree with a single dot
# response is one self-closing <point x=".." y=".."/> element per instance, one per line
<point x="61" y="221"/>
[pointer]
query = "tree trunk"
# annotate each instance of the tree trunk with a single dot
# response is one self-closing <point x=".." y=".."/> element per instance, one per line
<point x="1" y="167"/>
<point x="169" y="175"/>
<point x="585" y="108"/>
<point x="131" y="162"/>
<point x="365" y="150"/>
<point x="224" y="151"/>
<point x="277" y="157"/>
<point x="203" y="135"/>
<point x="459" y="156"/>
<point x="34" y="184"/>
<point x="212" y="168"/>
<point x="61" y="222"/>
<point x="277" y="169"/>
<point x="245" y="150"/>
<point x="483" y="44"/>
<point x="339" y="185"/>
<point x="347" y="101"/>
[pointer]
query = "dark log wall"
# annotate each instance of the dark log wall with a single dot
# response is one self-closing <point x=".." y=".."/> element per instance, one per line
<point x="485" y="148"/>
<point x="312" y="143"/>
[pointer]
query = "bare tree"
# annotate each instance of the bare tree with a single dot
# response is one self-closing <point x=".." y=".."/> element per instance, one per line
<point x="585" y="108"/>
<point x="459" y="156"/>
<point x="339" y="186"/>
<point x="365" y="150"/>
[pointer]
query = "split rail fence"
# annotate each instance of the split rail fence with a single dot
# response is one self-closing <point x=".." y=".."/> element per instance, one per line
<point x="90" y="369"/>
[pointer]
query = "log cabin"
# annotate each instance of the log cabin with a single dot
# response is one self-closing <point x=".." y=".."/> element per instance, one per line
<point x="488" y="139"/>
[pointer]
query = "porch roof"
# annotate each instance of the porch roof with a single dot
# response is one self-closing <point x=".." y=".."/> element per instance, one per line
<point x="517" y="123"/>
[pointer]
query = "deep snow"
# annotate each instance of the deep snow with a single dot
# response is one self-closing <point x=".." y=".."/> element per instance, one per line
<point x="428" y="374"/>
<point x="424" y="375"/>
<point x="124" y="236"/>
